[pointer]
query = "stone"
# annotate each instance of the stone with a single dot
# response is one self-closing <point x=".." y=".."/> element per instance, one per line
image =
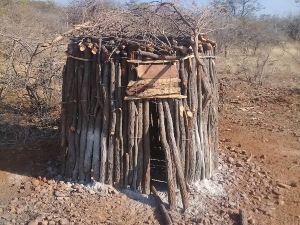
<point x="280" y="202"/>
<point x="33" y="222"/>
<point x="239" y="164"/>
<point x="262" y="157"/>
<point x="282" y="185"/>
<point x="59" y="194"/>
<point x="276" y="192"/>
<point x="230" y="160"/>
<point x="251" y="221"/>
<point x="92" y="192"/>
<point x="35" y="182"/>
<point x="44" y="222"/>
<point x="51" y="222"/>
<point x="63" y="221"/>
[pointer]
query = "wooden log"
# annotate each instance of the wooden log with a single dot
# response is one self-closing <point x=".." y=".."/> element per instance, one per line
<point x="176" y="124"/>
<point x="135" y="149"/>
<point x="201" y="165"/>
<point x="183" y="78"/>
<point x="124" y="125"/>
<point x="98" y="119"/>
<point x="105" y="123"/>
<point x="126" y="170"/>
<point x="140" y="62"/>
<point x="91" y="126"/>
<point x="96" y="146"/>
<point x="119" y="135"/>
<point x="155" y="56"/>
<point x="193" y="86"/>
<point x="85" y="115"/>
<point x="243" y="220"/>
<point x="173" y="116"/>
<point x="199" y="157"/>
<point x="153" y="82"/>
<point x="70" y="106"/>
<point x="164" y="211"/>
<point x="75" y="172"/>
<point x="112" y="129"/>
<point x="146" y="139"/>
<point x="166" y="148"/>
<point x="131" y="137"/>
<point x="140" y="166"/>
<point x="63" y="141"/>
<point x="183" y="131"/>
<point x="171" y="96"/>
<point x="163" y="90"/>
<point x="176" y="155"/>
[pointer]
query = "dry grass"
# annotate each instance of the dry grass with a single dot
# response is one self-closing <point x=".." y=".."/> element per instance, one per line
<point x="282" y="67"/>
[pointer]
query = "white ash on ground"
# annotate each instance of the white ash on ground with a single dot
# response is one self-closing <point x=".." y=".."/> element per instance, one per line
<point x="58" y="203"/>
<point x="240" y="183"/>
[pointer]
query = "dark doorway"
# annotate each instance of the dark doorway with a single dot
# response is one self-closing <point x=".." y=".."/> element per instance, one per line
<point x="157" y="162"/>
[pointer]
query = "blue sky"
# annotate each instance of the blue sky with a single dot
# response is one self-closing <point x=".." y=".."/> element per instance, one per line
<point x="277" y="7"/>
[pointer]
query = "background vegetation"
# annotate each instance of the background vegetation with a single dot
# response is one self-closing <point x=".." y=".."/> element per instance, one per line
<point x="34" y="34"/>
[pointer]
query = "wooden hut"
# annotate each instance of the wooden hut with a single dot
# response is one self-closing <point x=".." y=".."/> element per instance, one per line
<point x="134" y="114"/>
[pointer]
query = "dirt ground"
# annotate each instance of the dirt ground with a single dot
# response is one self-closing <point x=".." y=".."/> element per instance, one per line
<point x="259" y="171"/>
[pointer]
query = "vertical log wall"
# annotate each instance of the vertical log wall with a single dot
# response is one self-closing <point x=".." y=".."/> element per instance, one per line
<point x="107" y="138"/>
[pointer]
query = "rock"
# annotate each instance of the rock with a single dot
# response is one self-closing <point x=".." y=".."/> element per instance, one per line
<point x="92" y="192"/>
<point x="59" y="194"/>
<point x="63" y="221"/>
<point x="7" y="223"/>
<point x="294" y="184"/>
<point x="251" y="221"/>
<point x="33" y="222"/>
<point x="230" y="160"/>
<point x="282" y="185"/>
<point x="239" y="164"/>
<point x="280" y="202"/>
<point x="51" y="222"/>
<point x="262" y="157"/>
<point x="276" y="192"/>
<point x="35" y="182"/>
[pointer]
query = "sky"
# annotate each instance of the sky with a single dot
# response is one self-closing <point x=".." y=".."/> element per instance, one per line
<point x="271" y="7"/>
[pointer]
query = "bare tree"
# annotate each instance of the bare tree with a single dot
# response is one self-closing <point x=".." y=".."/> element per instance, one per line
<point x="239" y="8"/>
<point x="29" y="73"/>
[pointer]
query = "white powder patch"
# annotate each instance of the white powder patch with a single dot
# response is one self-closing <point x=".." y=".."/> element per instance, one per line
<point x="210" y="188"/>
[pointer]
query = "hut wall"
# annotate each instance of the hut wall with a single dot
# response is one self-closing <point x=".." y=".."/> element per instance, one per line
<point x="106" y="134"/>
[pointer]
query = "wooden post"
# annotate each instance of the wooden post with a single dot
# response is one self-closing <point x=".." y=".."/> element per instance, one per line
<point x="176" y="156"/>
<point x="146" y="138"/>
<point x="167" y="150"/>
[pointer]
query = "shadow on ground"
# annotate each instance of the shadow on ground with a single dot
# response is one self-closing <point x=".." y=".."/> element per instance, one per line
<point x="28" y="150"/>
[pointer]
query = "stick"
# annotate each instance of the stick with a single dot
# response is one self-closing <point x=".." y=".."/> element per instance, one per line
<point x="243" y="217"/>
<point x="140" y="145"/>
<point x="175" y="153"/>
<point x="112" y="129"/>
<point x="85" y="116"/>
<point x="146" y="138"/>
<point x="166" y="147"/>
<point x="131" y="127"/>
<point x="105" y="121"/>
<point x="164" y="211"/>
